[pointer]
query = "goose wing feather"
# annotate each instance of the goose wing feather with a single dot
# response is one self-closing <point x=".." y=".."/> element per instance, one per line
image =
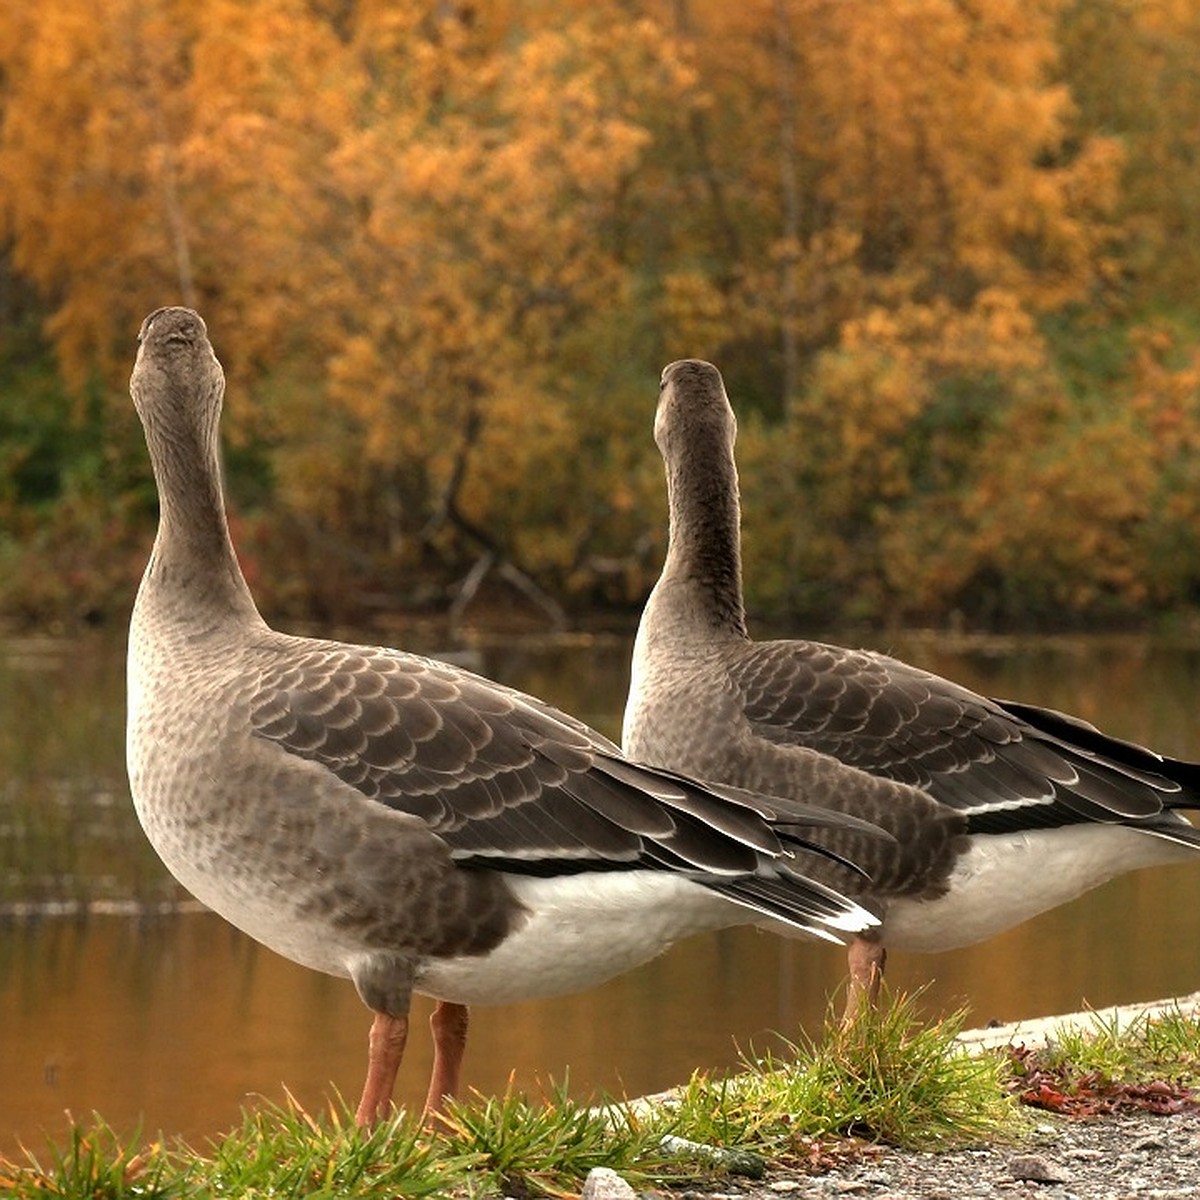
<point x="507" y="780"/>
<point x="1005" y="765"/>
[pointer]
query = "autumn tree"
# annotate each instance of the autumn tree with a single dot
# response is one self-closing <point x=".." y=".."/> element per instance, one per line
<point x="444" y="251"/>
<point x="1131" y="70"/>
<point x="402" y="224"/>
<point x="915" y="200"/>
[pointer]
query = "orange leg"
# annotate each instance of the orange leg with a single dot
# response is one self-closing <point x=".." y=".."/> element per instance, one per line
<point x="867" y="959"/>
<point x="449" y="1024"/>
<point x="388" y="1036"/>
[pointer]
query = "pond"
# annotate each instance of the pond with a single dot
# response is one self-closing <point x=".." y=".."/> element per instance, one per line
<point x="170" y="1020"/>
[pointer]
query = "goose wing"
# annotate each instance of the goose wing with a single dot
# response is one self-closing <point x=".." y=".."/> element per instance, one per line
<point x="509" y="782"/>
<point x="1006" y="766"/>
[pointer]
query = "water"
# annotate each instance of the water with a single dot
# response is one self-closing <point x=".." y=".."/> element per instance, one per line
<point x="172" y="1023"/>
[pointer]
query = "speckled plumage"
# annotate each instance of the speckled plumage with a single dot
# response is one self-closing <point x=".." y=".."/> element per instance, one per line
<point x="396" y="820"/>
<point x="998" y="810"/>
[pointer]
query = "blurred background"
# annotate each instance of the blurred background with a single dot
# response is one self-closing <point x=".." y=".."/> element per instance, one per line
<point x="945" y="254"/>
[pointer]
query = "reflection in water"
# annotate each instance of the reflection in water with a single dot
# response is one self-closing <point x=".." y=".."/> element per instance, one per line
<point x="175" y="1023"/>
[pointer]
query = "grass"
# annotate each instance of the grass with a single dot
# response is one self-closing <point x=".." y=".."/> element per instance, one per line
<point x="527" y="1147"/>
<point x="1146" y="1047"/>
<point x="286" y="1152"/>
<point x="1151" y="1065"/>
<point x="97" y="1163"/>
<point x="277" y="1151"/>
<point x="890" y="1078"/>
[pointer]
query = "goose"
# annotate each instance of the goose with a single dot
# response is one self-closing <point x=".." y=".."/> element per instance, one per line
<point x="399" y="821"/>
<point x="1044" y="806"/>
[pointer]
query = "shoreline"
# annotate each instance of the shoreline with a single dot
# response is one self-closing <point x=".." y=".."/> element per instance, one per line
<point x="1106" y="1157"/>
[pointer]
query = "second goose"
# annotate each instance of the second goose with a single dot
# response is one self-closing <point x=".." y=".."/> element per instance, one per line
<point x="1043" y="806"/>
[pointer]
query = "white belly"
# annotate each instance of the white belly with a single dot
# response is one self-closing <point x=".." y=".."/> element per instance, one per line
<point x="1003" y="880"/>
<point x="584" y="929"/>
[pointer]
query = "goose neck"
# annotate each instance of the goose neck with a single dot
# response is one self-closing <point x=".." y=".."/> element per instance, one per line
<point x="703" y="569"/>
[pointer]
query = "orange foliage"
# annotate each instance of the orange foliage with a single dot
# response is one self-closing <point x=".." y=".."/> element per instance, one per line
<point x="1132" y="70"/>
<point x="444" y="250"/>
<point x="1094" y="510"/>
<point x="929" y="137"/>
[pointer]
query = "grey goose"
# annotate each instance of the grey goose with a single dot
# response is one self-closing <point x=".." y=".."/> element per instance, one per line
<point x="399" y="821"/>
<point x="1043" y="806"/>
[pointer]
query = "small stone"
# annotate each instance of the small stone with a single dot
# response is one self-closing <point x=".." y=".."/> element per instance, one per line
<point x="1152" y="1142"/>
<point x="1037" y="1168"/>
<point x="784" y="1185"/>
<point x="736" y="1162"/>
<point x="603" y="1183"/>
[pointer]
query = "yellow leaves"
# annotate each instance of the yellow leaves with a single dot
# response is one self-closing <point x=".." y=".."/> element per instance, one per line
<point x="558" y="93"/>
<point x="1059" y="518"/>
<point x="935" y="341"/>
<point x="480" y="237"/>
<point x="1131" y="68"/>
<point x="695" y="314"/>
<point x="860" y="406"/>
<point x="410" y="224"/>
<point x="1077" y="508"/>
<point x="931" y="136"/>
<point x="75" y="189"/>
<point x="353" y="373"/>
<point x="922" y="446"/>
<point x="1166" y="392"/>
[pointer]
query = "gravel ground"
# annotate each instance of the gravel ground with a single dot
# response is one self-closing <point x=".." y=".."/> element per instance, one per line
<point x="1103" y="1158"/>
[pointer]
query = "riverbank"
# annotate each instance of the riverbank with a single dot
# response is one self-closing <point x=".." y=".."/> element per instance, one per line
<point x="1107" y="1156"/>
<point x="776" y="1130"/>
